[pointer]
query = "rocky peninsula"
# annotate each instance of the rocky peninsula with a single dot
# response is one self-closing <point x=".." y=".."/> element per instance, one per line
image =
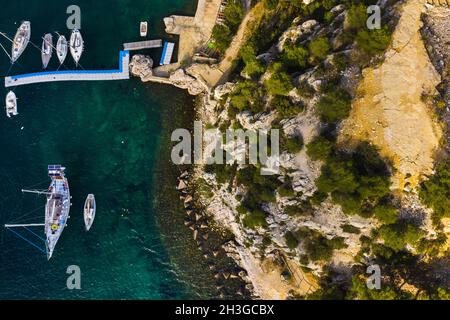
<point x="392" y="105"/>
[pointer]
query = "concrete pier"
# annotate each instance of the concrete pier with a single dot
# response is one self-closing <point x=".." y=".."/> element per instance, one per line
<point x="122" y="73"/>
<point x="140" y="45"/>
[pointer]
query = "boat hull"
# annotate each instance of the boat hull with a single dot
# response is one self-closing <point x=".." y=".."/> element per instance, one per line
<point x="11" y="104"/>
<point x="90" y="208"/>
<point x="76" y="45"/>
<point x="61" y="49"/>
<point x="57" y="208"/>
<point x="47" y="50"/>
<point x="21" y="40"/>
<point x="144" y="29"/>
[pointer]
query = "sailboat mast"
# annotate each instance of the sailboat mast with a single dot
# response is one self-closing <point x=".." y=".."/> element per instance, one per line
<point x="24" y="225"/>
<point x="36" y="192"/>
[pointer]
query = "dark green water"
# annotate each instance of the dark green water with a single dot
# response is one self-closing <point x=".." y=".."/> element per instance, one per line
<point x="108" y="135"/>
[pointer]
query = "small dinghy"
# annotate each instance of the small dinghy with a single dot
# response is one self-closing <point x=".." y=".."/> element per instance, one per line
<point x="89" y="211"/>
<point x="76" y="45"/>
<point x="144" y="28"/>
<point x="11" y="104"/>
<point x="47" y="50"/>
<point x="61" y="49"/>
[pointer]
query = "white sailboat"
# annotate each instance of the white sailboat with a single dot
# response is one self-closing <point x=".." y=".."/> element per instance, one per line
<point x="76" y="45"/>
<point x="61" y="49"/>
<point x="56" y="211"/>
<point x="21" y="40"/>
<point x="11" y="104"/>
<point x="47" y="50"/>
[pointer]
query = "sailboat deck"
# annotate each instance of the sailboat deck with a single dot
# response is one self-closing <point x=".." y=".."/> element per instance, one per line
<point x="122" y="73"/>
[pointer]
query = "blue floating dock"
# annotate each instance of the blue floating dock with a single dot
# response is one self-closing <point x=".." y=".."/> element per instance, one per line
<point x="122" y="73"/>
<point x="166" y="57"/>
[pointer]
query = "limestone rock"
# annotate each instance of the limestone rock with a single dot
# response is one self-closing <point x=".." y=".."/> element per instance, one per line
<point x="182" y="80"/>
<point x="141" y="66"/>
<point x="222" y="90"/>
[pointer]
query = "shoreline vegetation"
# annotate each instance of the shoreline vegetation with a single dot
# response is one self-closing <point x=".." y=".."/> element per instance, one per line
<point x="343" y="200"/>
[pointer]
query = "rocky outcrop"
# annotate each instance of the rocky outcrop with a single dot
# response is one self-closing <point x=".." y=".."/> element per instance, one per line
<point x="390" y="110"/>
<point x="182" y="80"/>
<point x="296" y="33"/>
<point x="141" y="66"/>
<point x="437" y="40"/>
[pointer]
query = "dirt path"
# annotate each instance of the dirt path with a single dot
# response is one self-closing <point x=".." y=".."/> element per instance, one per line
<point x="390" y="110"/>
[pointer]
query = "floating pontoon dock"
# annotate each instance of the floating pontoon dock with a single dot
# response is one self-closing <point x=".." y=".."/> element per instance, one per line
<point x="167" y="53"/>
<point x="74" y="75"/>
<point x="140" y="45"/>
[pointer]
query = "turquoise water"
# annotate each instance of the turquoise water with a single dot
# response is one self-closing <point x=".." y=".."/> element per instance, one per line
<point x="108" y="135"/>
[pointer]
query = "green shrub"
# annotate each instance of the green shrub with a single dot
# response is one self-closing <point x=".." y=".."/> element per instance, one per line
<point x="341" y="61"/>
<point x="319" y="48"/>
<point x="222" y="37"/>
<point x="270" y="4"/>
<point x="360" y="291"/>
<point x="348" y="228"/>
<point x="397" y="235"/>
<point x="241" y="209"/>
<point x="233" y="13"/>
<point x="255" y="218"/>
<point x="432" y="247"/>
<point x="386" y="214"/>
<point x="306" y="90"/>
<point x="223" y="173"/>
<point x="292" y="144"/>
<point x="334" y="106"/>
<point x="337" y="175"/>
<point x="280" y="83"/>
<point x="357" y="16"/>
<point x="373" y="42"/>
<point x="246" y="96"/>
<point x="253" y="66"/>
<point x="295" y="56"/>
<point x="318" y="197"/>
<point x="317" y="246"/>
<point x="435" y="192"/>
<point x="356" y="180"/>
<point x="286" y="108"/>
<point x="319" y="149"/>
<point x="286" y="190"/>
<point x="291" y="241"/>
<point x="298" y="210"/>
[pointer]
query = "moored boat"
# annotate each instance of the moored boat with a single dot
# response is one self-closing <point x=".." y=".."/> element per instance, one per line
<point x="11" y="104"/>
<point x="144" y="28"/>
<point x="47" y="50"/>
<point x="89" y="211"/>
<point x="61" y="49"/>
<point x="57" y="211"/>
<point x="21" y="40"/>
<point x="57" y="207"/>
<point x="76" y="45"/>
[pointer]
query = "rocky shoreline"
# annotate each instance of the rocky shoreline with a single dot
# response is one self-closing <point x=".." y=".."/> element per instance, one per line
<point x="212" y="219"/>
<point x="213" y="242"/>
